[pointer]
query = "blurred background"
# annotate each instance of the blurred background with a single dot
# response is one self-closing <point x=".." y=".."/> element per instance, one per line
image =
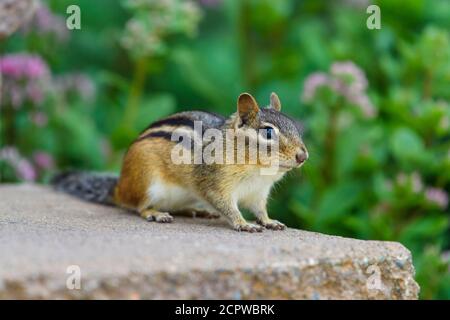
<point x="375" y="104"/>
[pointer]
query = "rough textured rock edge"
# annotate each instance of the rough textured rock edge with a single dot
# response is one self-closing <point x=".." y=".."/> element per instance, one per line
<point x="317" y="280"/>
<point x="287" y="272"/>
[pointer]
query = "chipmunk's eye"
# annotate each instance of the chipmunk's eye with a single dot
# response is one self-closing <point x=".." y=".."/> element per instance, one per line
<point x="270" y="132"/>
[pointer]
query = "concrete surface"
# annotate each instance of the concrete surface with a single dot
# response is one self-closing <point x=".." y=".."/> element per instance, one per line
<point x="122" y="256"/>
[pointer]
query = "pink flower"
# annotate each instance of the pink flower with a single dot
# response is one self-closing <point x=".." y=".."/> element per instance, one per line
<point x="45" y="21"/>
<point x="21" y="65"/>
<point x="413" y="181"/>
<point x="40" y="119"/>
<point x="350" y="71"/>
<point x="312" y="83"/>
<point x="35" y="67"/>
<point x="345" y="79"/>
<point x="401" y="178"/>
<point x="25" y="78"/>
<point x="416" y="182"/>
<point x="437" y="196"/>
<point x="23" y="168"/>
<point x="43" y="160"/>
<point x="15" y="95"/>
<point x="78" y="83"/>
<point x="26" y="170"/>
<point x="365" y="105"/>
<point x="34" y="92"/>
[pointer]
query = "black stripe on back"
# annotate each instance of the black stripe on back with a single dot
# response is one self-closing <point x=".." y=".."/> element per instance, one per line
<point x="174" y="121"/>
<point x="157" y="134"/>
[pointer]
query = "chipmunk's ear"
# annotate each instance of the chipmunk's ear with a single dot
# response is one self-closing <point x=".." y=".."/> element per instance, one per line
<point x="247" y="107"/>
<point x="275" y="102"/>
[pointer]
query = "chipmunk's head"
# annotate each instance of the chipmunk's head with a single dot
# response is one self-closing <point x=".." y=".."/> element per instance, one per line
<point x="271" y="129"/>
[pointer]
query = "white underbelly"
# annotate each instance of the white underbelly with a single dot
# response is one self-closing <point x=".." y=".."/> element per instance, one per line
<point x="170" y="197"/>
<point x="254" y="188"/>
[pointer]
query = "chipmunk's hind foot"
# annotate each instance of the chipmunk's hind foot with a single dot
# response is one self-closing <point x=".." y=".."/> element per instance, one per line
<point x="157" y="216"/>
<point x="271" y="224"/>
<point x="204" y="214"/>
<point x="248" y="227"/>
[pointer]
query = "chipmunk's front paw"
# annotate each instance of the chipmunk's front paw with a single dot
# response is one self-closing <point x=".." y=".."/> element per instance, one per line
<point x="272" y="224"/>
<point x="248" y="227"/>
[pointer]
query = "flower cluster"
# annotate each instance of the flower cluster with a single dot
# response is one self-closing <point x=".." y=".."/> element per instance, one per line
<point x="413" y="180"/>
<point x="13" y="13"/>
<point x="45" y="22"/>
<point x="25" y="78"/>
<point x="26" y="82"/>
<point x="76" y="83"/>
<point x="435" y="196"/>
<point x="154" y="20"/>
<point x="345" y="79"/>
<point x="23" y="168"/>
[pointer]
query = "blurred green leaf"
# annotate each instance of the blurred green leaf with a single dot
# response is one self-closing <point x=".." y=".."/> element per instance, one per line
<point x="153" y="108"/>
<point x="337" y="201"/>
<point x="407" y="146"/>
<point x="424" y="228"/>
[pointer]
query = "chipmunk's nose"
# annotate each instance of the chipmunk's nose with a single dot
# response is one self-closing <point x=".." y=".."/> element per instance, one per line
<point x="301" y="156"/>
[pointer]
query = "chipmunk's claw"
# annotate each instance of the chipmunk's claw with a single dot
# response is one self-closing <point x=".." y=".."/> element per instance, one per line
<point x="248" y="227"/>
<point x="272" y="224"/>
<point x="153" y="215"/>
<point x="164" y="218"/>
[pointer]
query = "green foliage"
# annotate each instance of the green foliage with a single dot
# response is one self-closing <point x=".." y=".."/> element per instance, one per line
<point x="153" y="22"/>
<point x="377" y="119"/>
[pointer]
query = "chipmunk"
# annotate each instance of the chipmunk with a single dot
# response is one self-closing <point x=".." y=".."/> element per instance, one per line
<point x="152" y="185"/>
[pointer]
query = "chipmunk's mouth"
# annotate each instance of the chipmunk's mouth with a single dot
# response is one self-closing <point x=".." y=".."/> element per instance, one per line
<point x="290" y="167"/>
<point x="285" y="166"/>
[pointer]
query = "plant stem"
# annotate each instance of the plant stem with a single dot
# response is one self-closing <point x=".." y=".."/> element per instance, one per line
<point x="427" y="84"/>
<point x="244" y="29"/>
<point x="330" y="147"/>
<point x="9" y="126"/>
<point x="137" y="87"/>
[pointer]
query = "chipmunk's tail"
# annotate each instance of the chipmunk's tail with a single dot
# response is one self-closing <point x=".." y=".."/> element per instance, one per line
<point x="93" y="187"/>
